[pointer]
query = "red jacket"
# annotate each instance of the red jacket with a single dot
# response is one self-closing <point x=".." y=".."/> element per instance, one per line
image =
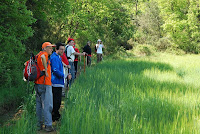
<point x="76" y="56"/>
<point x="64" y="59"/>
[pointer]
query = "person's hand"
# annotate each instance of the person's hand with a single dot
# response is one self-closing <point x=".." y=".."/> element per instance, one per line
<point x="46" y="74"/>
<point x="68" y="66"/>
<point x="69" y="76"/>
<point x="84" y="53"/>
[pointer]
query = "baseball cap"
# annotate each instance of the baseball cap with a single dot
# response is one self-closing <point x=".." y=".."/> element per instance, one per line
<point x="70" y="39"/>
<point x="47" y="44"/>
<point x="98" y="40"/>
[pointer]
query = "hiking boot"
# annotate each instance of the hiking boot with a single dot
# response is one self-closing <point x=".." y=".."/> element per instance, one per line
<point x="55" y="118"/>
<point x="49" y="128"/>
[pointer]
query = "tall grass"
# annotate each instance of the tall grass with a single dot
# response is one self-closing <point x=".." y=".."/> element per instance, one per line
<point x="147" y="95"/>
<point x="126" y="96"/>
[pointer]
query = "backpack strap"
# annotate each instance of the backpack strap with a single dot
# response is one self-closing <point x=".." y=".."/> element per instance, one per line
<point x="66" y="52"/>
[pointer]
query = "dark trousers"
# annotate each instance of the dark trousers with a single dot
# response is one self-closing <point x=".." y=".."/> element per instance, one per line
<point x="57" y="96"/>
<point x="88" y="60"/>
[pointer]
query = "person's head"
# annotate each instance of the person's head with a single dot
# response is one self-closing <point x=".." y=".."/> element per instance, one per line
<point x="88" y="43"/>
<point x="60" y="48"/>
<point x="70" y="42"/>
<point x="47" y="47"/>
<point x="98" y="41"/>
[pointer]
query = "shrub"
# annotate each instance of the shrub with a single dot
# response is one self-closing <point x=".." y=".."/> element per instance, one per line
<point x="163" y="43"/>
<point x="144" y="50"/>
<point x="175" y="50"/>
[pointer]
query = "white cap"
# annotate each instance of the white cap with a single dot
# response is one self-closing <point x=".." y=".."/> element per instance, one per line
<point x="98" y="40"/>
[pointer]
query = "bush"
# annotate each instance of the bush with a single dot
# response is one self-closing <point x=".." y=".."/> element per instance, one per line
<point x="174" y="50"/>
<point x="163" y="43"/>
<point x="144" y="50"/>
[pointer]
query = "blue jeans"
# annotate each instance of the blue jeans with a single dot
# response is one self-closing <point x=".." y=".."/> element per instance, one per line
<point x="44" y="104"/>
<point x="72" y="71"/>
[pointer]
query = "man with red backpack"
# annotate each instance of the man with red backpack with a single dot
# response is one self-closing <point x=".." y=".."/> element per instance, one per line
<point x="43" y="88"/>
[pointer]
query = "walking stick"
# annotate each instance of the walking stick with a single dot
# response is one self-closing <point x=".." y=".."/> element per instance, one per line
<point x="86" y="61"/>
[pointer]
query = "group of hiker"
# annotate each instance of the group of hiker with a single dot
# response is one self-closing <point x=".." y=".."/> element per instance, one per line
<point x="60" y="69"/>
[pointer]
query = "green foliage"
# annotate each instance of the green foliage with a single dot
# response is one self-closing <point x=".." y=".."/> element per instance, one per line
<point x="174" y="21"/>
<point x="144" y="50"/>
<point x="51" y="19"/>
<point x="163" y="44"/>
<point x="149" y="24"/>
<point x="14" y="29"/>
<point x="181" y="23"/>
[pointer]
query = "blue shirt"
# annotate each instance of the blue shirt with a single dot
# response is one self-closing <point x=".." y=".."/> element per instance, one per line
<point x="57" y="74"/>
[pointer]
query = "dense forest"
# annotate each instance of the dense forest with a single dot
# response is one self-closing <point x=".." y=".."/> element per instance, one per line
<point x="166" y="25"/>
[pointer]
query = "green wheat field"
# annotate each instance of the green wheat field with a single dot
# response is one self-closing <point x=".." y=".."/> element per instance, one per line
<point x="139" y="95"/>
<point x="157" y="94"/>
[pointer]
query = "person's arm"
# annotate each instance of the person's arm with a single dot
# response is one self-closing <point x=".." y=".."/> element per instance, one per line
<point x="55" y="70"/>
<point x="97" y="45"/>
<point x="44" y="62"/>
<point x="80" y="54"/>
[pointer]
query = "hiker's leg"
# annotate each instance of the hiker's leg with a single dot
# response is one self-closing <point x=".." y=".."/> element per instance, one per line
<point x="65" y="81"/>
<point x="48" y="105"/>
<point x="39" y="103"/>
<point x="57" y="95"/>
<point x="101" y="57"/>
<point x="75" y="67"/>
<point x="72" y="71"/>
<point x="98" y="58"/>
<point x="88" y="60"/>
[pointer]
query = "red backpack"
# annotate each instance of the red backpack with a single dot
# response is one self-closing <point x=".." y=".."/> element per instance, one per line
<point x="32" y="71"/>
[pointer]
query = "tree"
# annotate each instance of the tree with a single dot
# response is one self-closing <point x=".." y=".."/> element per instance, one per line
<point x="149" y="24"/>
<point x="14" y="29"/>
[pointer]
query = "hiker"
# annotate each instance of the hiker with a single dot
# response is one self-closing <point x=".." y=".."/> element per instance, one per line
<point x="87" y="49"/>
<point x="99" y="47"/>
<point x="43" y="88"/>
<point x="70" y="53"/>
<point x="66" y="73"/>
<point x="76" y="59"/>
<point x="57" y="79"/>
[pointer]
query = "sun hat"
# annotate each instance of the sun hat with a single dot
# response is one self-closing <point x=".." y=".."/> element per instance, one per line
<point x="47" y="44"/>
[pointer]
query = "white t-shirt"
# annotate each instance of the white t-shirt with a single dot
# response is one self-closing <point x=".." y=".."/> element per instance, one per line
<point x="99" y="49"/>
<point x="70" y="53"/>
